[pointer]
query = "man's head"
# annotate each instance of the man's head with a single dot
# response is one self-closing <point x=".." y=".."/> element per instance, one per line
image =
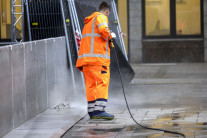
<point x="104" y="8"/>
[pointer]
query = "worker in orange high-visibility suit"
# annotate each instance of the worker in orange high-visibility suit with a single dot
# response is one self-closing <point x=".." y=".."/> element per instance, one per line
<point x="94" y="61"/>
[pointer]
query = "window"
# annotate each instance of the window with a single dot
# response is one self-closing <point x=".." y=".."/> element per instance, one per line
<point x="5" y="19"/>
<point x="188" y="17"/>
<point x="172" y="18"/>
<point x="157" y="17"/>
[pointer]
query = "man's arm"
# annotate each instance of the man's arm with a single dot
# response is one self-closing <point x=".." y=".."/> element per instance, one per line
<point x="103" y="28"/>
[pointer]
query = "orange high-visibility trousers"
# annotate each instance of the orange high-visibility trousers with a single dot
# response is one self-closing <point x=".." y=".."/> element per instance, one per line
<point x="97" y="81"/>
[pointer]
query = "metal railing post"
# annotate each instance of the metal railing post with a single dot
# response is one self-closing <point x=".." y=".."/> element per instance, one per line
<point x="74" y="26"/>
<point x="76" y="17"/>
<point x="28" y="20"/>
<point x="17" y="18"/>
<point x="68" y="45"/>
<point x="113" y="5"/>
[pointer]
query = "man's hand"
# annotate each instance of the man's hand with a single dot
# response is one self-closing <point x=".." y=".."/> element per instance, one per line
<point x="113" y="35"/>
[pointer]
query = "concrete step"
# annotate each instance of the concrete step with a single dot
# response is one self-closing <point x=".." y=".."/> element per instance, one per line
<point x="170" y="71"/>
<point x="52" y="123"/>
<point x="167" y="81"/>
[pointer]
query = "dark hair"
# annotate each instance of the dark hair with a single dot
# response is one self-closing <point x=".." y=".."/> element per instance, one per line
<point x="104" y="6"/>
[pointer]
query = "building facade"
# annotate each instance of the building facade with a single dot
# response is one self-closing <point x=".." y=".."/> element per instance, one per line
<point x="167" y="31"/>
<point x="158" y="31"/>
<point x="5" y="20"/>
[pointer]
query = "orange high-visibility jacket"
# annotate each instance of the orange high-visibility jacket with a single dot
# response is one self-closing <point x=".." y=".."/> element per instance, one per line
<point x="94" y="48"/>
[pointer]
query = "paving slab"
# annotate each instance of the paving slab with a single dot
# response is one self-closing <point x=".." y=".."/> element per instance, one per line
<point x="52" y="123"/>
<point x="165" y="96"/>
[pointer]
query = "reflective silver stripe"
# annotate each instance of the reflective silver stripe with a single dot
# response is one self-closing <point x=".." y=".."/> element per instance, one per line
<point x="99" y="108"/>
<point x="91" y="35"/>
<point x="102" y="103"/>
<point x="94" y="55"/>
<point x="104" y="19"/>
<point x="102" y="24"/>
<point x="91" y="110"/>
<point x="107" y="52"/>
<point x="106" y="25"/>
<point x="91" y="104"/>
<point x="93" y="31"/>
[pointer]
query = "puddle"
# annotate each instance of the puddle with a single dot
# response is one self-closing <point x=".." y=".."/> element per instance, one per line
<point x="155" y="135"/>
<point x="195" y="128"/>
<point x="188" y="131"/>
<point x="132" y="128"/>
<point x="172" y="122"/>
<point x="103" y="131"/>
<point x="202" y="124"/>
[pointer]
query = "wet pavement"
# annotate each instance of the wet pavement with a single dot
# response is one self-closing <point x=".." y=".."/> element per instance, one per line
<point x="175" y="102"/>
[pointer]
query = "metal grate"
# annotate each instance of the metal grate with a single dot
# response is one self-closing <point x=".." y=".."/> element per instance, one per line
<point x="44" y="19"/>
<point x="17" y="17"/>
<point x="70" y="32"/>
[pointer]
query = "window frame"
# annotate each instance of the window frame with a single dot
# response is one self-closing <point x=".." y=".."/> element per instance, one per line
<point x="173" y="34"/>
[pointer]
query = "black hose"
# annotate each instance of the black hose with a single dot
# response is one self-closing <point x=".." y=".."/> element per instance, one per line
<point x="166" y="131"/>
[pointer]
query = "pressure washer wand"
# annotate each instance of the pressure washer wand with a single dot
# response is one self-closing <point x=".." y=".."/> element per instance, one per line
<point x="157" y="129"/>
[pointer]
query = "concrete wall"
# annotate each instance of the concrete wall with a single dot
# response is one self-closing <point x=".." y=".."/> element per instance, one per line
<point x="33" y="77"/>
<point x="135" y="31"/>
<point x="205" y="29"/>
